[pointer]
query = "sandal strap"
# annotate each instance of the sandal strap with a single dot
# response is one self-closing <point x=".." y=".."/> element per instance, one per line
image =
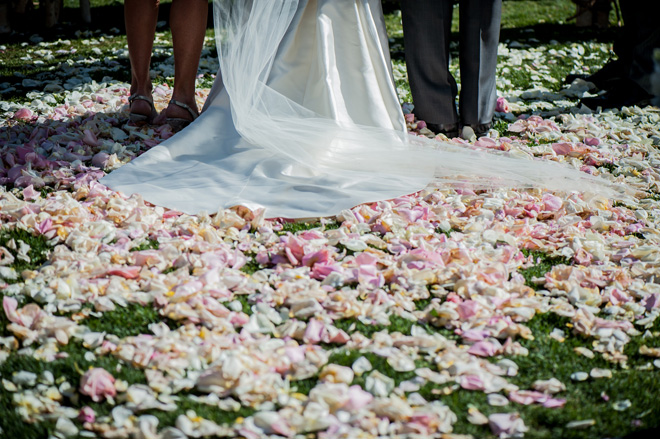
<point x="185" y="107"/>
<point x="132" y="98"/>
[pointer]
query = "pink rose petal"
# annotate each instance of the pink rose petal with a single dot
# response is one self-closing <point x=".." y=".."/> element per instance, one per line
<point x="98" y="384"/>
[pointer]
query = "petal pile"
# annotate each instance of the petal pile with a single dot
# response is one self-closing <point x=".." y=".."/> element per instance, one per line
<point x="357" y="326"/>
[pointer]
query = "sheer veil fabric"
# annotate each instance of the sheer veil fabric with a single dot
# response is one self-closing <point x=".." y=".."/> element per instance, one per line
<point x="304" y="121"/>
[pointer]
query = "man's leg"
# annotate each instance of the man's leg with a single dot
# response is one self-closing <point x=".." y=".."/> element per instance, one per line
<point x="479" y="37"/>
<point x="427" y="30"/>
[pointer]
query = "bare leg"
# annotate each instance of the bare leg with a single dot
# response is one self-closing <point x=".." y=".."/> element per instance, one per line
<point x="140" y="17"/>
<point x="188" y="23"/>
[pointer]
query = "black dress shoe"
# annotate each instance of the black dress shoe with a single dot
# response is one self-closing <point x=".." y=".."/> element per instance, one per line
<point x="450" y="131"/>
<point x="481" y="129"/>
<point x="603" y="79"/>
<point x="573" y="76"/>
<point x="625" y="94"/>
<point x="478" y="130"/>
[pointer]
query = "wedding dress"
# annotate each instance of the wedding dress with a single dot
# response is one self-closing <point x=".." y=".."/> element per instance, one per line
<point x="304" y="121"/>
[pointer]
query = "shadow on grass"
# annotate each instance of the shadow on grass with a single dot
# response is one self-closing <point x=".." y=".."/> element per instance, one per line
<point x="104" y="19"/>
<point x="47" y="149"/>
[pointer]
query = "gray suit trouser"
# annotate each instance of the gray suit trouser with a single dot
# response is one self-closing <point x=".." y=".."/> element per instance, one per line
<point x="427" y="31"/>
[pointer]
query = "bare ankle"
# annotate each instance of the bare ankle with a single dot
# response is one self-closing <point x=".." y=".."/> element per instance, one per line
<point x="144" y="90"/>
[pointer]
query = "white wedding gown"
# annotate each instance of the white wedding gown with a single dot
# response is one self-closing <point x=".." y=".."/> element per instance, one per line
<point x="304" y="121"/>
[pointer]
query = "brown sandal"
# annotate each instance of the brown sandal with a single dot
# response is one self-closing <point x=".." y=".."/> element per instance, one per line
<point x="138" y="118"/>
<point x="178" y="123"/>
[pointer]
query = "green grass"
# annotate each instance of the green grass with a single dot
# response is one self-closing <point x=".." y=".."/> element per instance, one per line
<point x="305" y="386"/>
<point x="22" y="61"/>
<point x="128" y="321"/>
<point x="547" y="358"/>
<point x="542" y="20"/>
<point x="543" y="265"/>
<point x="97" y="3"/>
<point x="523" y="13"/>
<point x="447" y="233"/>
<point x="295" y="227"/>
<point x="552" y="73"/>
<point x="245" y="302"/>
<point x="397" y="324"/>
<point x="65" y="369"/>
<point x="515" y="14"/>
<point x="71" y="370"/>
<point x="551" y="358"/>
<point x="38" y="254"/>
<point x="252" y="266"/>
<point x="501" y="126"/>
<point x="15" y="69"/>
<point x="421" y="304"/>
<point x="379" y="363"/>
<point x="147" y="244"/>
<point x="211" y="413"/>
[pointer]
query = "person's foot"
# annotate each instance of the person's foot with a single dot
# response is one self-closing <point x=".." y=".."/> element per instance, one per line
<point x="179" y="114"/>
<point x="177" y="111"/>
<point x="141" y="108"/>
<point x="474" y="132"/>
<point x="625" y="94"/>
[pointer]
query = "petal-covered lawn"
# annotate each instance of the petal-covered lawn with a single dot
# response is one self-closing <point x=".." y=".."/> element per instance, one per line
<point x="505" y="313"/>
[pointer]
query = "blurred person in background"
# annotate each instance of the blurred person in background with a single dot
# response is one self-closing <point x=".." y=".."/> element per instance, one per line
<point x="627" y="79"/>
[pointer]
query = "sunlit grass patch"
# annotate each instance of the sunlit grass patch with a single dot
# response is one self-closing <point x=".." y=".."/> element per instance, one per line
<point x="252" y="266"/>
<point x="592" y="399"/>
<point x="71" y="369"/>
<point x="522" y="13"/>
<point x="245" y="303"/>
<point x="68" y="369"/>
<point x="378" y="362"/>
<point x="305" y="386"/>
<point x="548" y="357"/>
<point x="295" y="227"/>
<point x="16" y="241"/>
<point x="131" y="320"/>
<point x="397" y="324"/>
<point x="147" y="244"/>
<point x="543" y="264"/>
<point x="185" y="404"/>
<point x="501" y="126"/>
